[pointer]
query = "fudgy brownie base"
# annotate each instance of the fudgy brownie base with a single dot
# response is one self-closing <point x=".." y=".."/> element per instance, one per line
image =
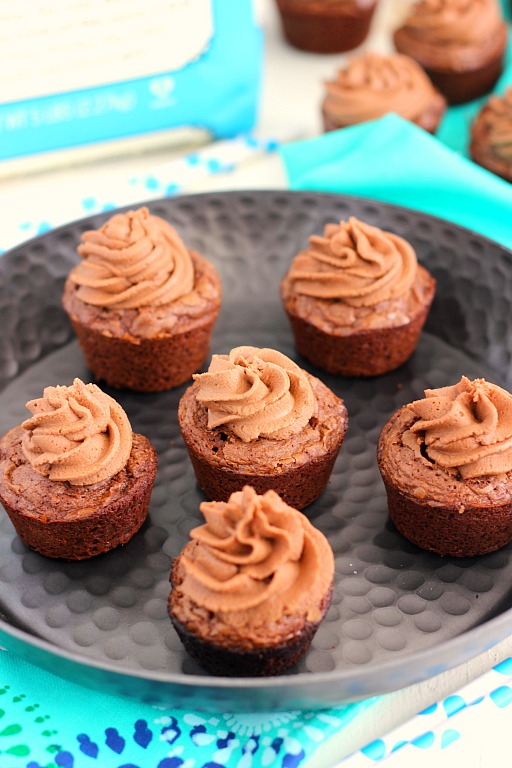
<point x="459" y="84"/>
<point x="71" y="522"/>
<point x="439" y="511"/>
<point x="117" y="352"/>
<point x="363" y="352"/>
<point x="449" y="529"/>
<point x="460" y="87"/>
<point x="146" y="365"/>
<point x="223" y="652"/>
<point x="320" y="28"/>
<point x="297" y="468"/>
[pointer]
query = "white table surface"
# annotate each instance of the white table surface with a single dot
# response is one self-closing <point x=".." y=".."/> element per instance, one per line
<point x="292" y="90"/>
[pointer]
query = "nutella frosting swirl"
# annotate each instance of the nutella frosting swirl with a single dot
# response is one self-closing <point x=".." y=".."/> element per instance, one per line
<point x="256" y="558"/>
<point x="133" y="260"/>
<point x="77" y="434"/>
<point x="465" y="428"/>
<point x="372" y="85"/>
<point x="355" y="263"/>
<point x="497" y="118"/>
<point x="462" y="23"/>
<point x="256" y="393"/>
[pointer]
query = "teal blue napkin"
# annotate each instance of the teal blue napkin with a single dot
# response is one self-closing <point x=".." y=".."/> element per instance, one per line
<point x="394" y="161"/>
<point x="48" y="722"/>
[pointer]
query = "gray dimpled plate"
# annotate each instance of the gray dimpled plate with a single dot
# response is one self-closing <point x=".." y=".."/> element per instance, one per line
<point x="399" y="614"/>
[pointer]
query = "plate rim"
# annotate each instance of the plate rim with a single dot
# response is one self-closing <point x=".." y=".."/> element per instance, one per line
<point x="148" y="202"/>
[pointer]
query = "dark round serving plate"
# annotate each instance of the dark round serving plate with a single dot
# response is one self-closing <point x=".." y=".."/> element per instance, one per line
<point x="399" y="615"/>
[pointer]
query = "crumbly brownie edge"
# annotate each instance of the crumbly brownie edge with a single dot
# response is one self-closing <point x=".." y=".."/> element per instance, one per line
<point x="366" y="352"/>
<point x="458" y="525"/>
<point x="100" y="531"/>
<point x="299" y="484"/>
<point x="152" y="365"/>
<point x="145" y="363"/>
<point x="240" y="657"/>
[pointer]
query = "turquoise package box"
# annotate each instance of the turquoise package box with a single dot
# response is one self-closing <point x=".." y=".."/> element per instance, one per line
<point x="81" y="73"/>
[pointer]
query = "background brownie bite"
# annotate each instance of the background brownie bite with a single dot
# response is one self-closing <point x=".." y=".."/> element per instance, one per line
<point x="256" y="418"/>
<point x="446" y="463"/>
<point x="461" y="44"/>
<point x="357" y="299"/>
<point x="326" y="26"/>
<point x="491" y="135"/>
<point x="252" y="586"/>
<point x="142" y="304"/>
<point x="74" y="479"/>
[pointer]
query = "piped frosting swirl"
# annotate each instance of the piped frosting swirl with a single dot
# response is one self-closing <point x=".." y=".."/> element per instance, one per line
<point x="465" y="428"/>
<point x="254" y="393"/>
<point x="135" y="259"/>
<point x="372" y="85"/>
<point x="355" y="263"/>
<point x="256" y="559"/>
<point x="77" y="434"/>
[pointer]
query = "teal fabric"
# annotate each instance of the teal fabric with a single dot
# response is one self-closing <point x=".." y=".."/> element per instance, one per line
<point x="394" y="161"/>
<point x="49" y="722"/>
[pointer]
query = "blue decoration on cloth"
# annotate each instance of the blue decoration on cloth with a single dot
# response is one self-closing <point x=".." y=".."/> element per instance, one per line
<point x="49" y="722"/>
<point x="475" y="720"/>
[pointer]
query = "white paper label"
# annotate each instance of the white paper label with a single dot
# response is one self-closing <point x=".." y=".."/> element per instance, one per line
<point x="54" y="46"/>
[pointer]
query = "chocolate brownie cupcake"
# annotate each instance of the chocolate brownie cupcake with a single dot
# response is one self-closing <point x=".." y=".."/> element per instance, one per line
<point x="143" y="305"/>
<point x="372" y="85"/>
<point x="252" y="586"/>
<point x="491" y="136"/>
<point x="326" y="26"/>
<point x="357" y="299"/>
<point x="460" y="44"/>
<point x="446" y="463"/>
<point x="74" y="479"/>
<point x="256" y="418"/>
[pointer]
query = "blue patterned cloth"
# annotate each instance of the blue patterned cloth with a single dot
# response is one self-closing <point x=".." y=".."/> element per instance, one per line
<point x="49" y="722"/>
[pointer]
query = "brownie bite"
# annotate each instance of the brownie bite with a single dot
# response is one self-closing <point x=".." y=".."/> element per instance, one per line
<point x="74" y="479"/>
<point x="256" y="418"/>
<point x="461" y="44"/>
<point x="491" y="135"/>
<point x="142" y="304"/>
<point x="446" y="463"/>
<point x="357" y="299"/>
<point x="252" y="586"/>
<point x="372" y="85"/>
<point x="326" y="26"/>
